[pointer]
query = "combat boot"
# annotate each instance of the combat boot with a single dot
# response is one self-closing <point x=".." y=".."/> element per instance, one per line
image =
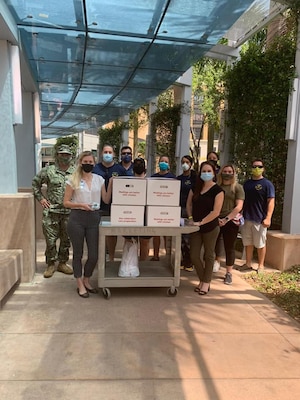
<point x="64" y="268"/>
<point x="49" y="271"/>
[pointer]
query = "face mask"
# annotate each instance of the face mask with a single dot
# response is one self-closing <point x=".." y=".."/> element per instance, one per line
<point x="207" y="176"/>
<point x="87" y="167"/>
<point x="214" y="162"/>
<point x="226" y="177"/>
<point x="256" y="171"/>
<point x="127" y="158"/>
<point x="138" y="169"/>
<point x="185" y="166"/>
<point x="163" y="166"/>
<point x="107" y="157"/>
<point x="64" y="160"/>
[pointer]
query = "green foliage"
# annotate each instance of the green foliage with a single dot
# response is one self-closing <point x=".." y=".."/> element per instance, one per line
<point x="71" y="141"/>
<point x="283" y="288"/>
<point x="112" y="135"/>
<point x="208" y="92"/>
<point x="257" y="90"/>
<point x="164" y="124"/>
<point x="141" y="150"/>
<point x="137" y="119"/>
<point x="208" y="88"/>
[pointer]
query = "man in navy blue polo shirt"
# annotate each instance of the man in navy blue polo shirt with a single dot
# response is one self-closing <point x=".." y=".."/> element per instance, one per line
<point x="258" y="210"/>
<point x="108" y="168"/>
<point x="126" y="160"/>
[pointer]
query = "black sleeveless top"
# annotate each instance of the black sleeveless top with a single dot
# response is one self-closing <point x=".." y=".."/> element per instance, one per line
<point x="203" y="205"/>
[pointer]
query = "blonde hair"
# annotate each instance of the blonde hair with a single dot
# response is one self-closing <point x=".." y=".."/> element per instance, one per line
<point x="77" y="174"/>
<point x="233" y="182"/>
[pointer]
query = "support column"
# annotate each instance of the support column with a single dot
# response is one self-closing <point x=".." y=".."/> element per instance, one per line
<point x="8" y="163"/>
<point x="183" y="95"/>
<point x="291" y="215"/>
<point x="150" y="141"/>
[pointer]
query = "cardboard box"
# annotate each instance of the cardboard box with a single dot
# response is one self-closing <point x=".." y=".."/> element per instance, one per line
<point x="129" y="190"/>
<point x="163" y="216"/>
<point x="124" y="215"/>
<point x="163" y="191"/>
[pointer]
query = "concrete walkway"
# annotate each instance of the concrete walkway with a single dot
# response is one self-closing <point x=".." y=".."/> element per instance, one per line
<point x="232" y="344"/>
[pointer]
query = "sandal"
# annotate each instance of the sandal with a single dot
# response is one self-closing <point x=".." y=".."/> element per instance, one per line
<point x="203" y="293"/>
<point x="197" y="289"/>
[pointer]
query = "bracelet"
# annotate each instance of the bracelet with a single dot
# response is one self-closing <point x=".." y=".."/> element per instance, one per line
<point x="190" y="217"/>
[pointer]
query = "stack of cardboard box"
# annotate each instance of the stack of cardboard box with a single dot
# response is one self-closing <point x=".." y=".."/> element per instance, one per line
<point x="150" y="202"/>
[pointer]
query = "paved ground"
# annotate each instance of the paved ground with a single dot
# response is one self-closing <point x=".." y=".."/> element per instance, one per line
<point x="142" y="345"/>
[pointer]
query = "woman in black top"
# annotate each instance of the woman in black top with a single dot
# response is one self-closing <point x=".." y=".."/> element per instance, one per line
<point x="187" y="181"/>
<point x="203" y="207"/>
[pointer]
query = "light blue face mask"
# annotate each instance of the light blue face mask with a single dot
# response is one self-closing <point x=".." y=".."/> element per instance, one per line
<point x="163" y="166"/>
<point x="107" y="157"/>
<point x="207" y="176"/>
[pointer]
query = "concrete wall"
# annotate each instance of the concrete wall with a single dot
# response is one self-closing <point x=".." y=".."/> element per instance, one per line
<point x="18" y="229"/>
<point x="283" y="250"/>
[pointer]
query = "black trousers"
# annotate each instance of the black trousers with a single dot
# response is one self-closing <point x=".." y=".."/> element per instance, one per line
<point x="229" y="233"/>
<point x="84" y="226"/>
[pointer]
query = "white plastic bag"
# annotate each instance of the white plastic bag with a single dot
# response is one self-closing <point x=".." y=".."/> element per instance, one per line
<point x="129" y="263"/>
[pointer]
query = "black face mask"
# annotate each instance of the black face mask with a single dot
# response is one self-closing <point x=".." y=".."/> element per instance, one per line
<point x="138" y="169"/>
<point x="87" y="167"/>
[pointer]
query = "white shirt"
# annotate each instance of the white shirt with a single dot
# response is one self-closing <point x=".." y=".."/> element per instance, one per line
<point x="85" y="195"/>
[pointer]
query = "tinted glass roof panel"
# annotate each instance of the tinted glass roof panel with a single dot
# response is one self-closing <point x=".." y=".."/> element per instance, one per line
<point x="96" y="95"/>
<point x="133" y="17"/>
<point x="114" y="55"/>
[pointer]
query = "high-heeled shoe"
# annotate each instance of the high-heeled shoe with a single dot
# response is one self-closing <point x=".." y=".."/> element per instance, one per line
<point x="93" y="290"/>
<point x="84" y="295"/>
<point x="203" y="292"/>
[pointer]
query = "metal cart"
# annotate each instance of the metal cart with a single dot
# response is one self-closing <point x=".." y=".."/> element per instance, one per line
<point x="163" y="273"/>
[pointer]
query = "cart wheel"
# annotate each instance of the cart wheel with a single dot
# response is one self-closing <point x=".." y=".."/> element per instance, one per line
<point x="106" y="293"/>
<point x="172" y="291"/>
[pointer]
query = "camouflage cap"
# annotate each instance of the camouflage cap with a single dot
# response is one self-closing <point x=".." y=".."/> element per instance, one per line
<point x="64" y="149"/>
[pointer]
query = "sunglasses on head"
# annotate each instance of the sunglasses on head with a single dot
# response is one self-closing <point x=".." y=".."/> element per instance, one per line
<point x="257" y="166"/>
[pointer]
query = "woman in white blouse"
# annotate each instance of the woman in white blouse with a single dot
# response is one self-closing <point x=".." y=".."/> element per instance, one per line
<point x="83" y="195"/>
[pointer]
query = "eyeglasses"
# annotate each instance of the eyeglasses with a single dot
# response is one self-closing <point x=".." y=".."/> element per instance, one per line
<point x="126" y="154"/>
<point x="257" y="166"/>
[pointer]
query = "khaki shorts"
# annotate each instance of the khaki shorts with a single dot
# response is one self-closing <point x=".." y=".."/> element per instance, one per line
<point x="254" y="234"/>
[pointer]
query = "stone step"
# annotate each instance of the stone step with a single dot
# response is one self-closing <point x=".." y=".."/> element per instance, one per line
<point x="11" y="265"/>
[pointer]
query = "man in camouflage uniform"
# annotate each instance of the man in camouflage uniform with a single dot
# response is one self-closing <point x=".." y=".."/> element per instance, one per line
<point x="55" y="215"/>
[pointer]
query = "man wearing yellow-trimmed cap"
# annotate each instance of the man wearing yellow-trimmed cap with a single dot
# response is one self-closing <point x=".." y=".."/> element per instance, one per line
<point x="55" y="215"/>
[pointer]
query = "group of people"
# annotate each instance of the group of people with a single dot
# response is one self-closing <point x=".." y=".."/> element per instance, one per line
<point x="71" y="210"/>
<point x="215" y="203"/>
<point x="77" y="196"/>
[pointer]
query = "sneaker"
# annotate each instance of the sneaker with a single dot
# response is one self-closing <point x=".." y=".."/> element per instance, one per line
<point x="65" y="269"/>
<point x="49" y="271"/>
<point x="244" y="267"/>
<point x="216" y="266"/>
<point x="190" y="268"/>
<point x="181" y="267"/>
<point x="228" y="278"/>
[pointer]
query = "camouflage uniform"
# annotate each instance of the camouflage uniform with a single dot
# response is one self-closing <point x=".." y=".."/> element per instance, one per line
<point x="55" y="218"/>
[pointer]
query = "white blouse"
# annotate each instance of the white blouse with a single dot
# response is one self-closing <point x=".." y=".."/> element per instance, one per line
<point x="85" y="195"/>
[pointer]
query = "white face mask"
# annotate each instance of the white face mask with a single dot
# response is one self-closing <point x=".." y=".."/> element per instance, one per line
<point x="185" y="166"/>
